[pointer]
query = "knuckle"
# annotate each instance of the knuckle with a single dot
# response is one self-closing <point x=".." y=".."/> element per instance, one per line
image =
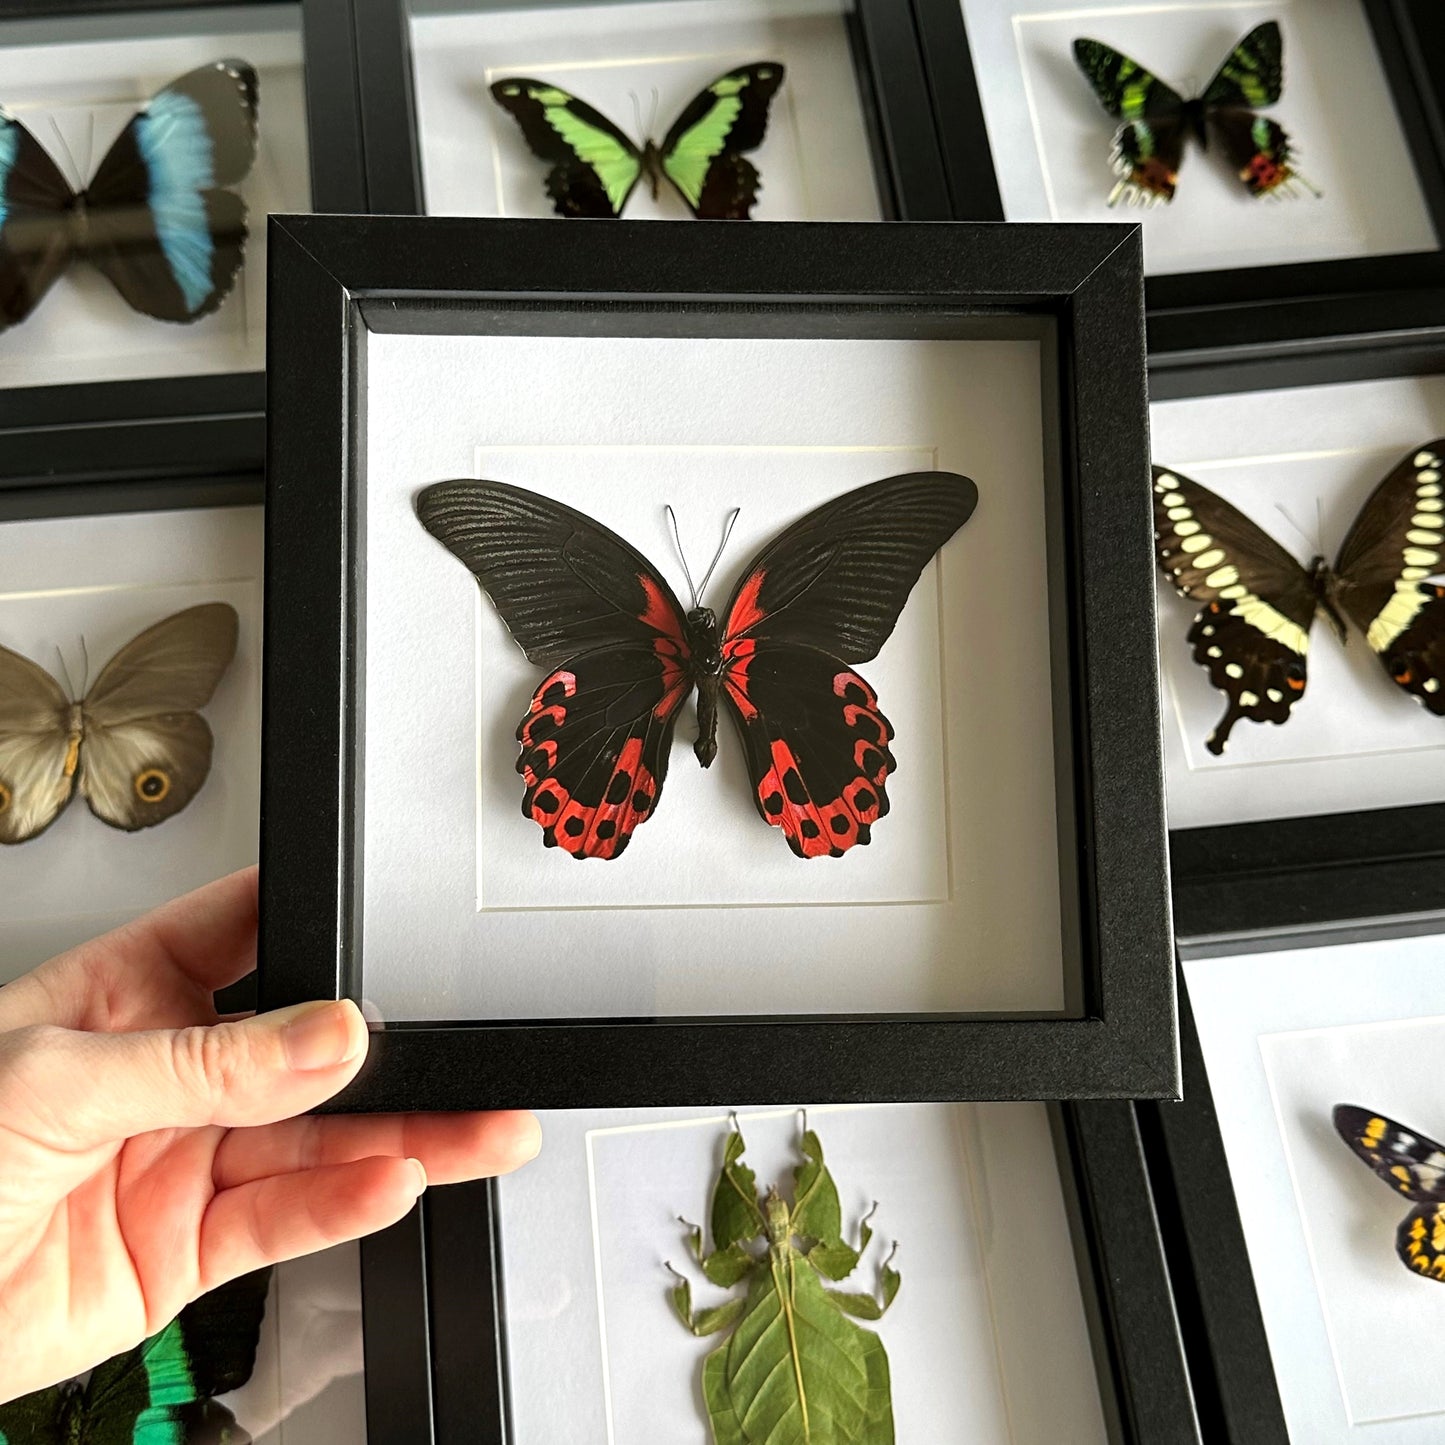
<point x="210" y="1058"/>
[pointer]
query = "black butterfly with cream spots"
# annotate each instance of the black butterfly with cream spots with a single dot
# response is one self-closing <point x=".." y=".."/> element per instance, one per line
<point x="1253" y="633"/>
<point x="1412" y="1164"/>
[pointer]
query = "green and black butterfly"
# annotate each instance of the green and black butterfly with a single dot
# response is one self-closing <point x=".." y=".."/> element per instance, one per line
<point x="595" y="167"/>
<point x="1149" y="145"/>
<point x="159" y="1393"/>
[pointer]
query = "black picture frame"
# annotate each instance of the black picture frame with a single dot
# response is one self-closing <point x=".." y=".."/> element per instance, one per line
<point x="437" y="1356"/>
<point x="55" y="430"/>
<point x="1242" y="879"/>
<point x="888" y="59"/>
<point x="1262" y="312"/>
<point x="336" y="278"/>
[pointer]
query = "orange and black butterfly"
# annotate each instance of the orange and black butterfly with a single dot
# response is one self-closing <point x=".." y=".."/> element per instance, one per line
<point x="622" y="655"/>
<point x="1413" y="1165"/>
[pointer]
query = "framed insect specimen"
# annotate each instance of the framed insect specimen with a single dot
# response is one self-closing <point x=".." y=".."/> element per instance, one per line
<point x="970" y="1180"/>
<point x="1350" y="773"/>
<point x="1301" y="1306"/>
<point x="1296" y="118"/>
<point x="719" y="110"/>
<point x="130" y="624"/>
<point x="865" y="529"/>
<point x="143" y="146"/>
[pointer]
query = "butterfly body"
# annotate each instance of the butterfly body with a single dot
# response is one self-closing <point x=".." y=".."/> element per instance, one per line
<point x="1155" y="119"/>
<point x="623" y="656"/>
<point x="157" y="218"/>
<point x="594" y="166"/>
<point x="1252" y="634"/>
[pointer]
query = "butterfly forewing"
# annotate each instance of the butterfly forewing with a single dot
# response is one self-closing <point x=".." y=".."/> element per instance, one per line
<point x="1253" y="634"/>
<point x="35" y="236"/>
<point x="590" y="608"/>
<point x="1257" y="147"/>
<point x="824" y="596"/>
<point x="1396" y="542"/>
<point x="161" y="224"/>
<point x="1252" y="74"/>
<point x="594" y="166"/>
<point x="702" y="153"/>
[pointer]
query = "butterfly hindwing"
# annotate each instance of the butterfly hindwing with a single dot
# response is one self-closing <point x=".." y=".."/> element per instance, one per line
<point x="1396" y="542"/>
<point x="162" y="224"/>
<point x="590" y="608"/>
<point x="593" y="164"/>
<point x="38" y="1418"/>
<point x="1149" y="145"/>
<point x="1253" y="634"/>
<point x="702" y="154"/>
<point x="822" y="597"/>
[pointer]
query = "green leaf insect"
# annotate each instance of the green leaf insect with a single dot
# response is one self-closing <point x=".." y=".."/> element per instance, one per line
<point x="796" y="1369"/>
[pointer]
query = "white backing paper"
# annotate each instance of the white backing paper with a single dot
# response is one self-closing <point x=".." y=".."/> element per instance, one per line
<point x="815" y="160"/>
<point x="308" y="1387"/>
<point x="969" y="1193"/>
<point x="1051" y="139"/>
<point x="87" y="586"/>
<point x="1286" y="1037"/>
<point x="1301" y="463"/>
<point x="75" y="96"/>
<point x="955" y="903"/>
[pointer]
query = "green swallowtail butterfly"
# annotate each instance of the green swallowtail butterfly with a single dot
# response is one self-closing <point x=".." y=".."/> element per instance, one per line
<point x="159" y="1393"/>
<point x="594" y="167"/>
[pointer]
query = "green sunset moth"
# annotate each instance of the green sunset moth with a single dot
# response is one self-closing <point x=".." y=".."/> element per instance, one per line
<point x="795" y="1369"/>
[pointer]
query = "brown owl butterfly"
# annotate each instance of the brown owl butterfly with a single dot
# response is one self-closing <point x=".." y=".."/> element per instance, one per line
<point x="1252" y="635"/>
<point x="622" y="655"/>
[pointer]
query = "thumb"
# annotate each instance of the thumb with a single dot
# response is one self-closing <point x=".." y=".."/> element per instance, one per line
<point x="87" y="1089"/>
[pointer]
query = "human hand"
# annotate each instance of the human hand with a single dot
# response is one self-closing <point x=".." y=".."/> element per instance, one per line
<point x="148" y="1151"/>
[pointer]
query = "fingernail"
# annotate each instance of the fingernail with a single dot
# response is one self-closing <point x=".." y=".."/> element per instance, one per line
<point x="529" y="1138"/>
<point x="421" y="1180"/>
<point x="322" y="1036"/>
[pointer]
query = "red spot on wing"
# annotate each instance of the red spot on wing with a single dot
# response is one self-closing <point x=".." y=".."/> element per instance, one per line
<point x="670" y="645"/>
<point x="746" y="613"/>
<point x="737" y="655"/>
<point x="660" y="614"/>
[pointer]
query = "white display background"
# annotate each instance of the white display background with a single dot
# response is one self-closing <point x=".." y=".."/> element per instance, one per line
<point x="970" y="1193"/>
<point x="101" y="580"/>
<point x="1286" y="1037"/>
<point x="1051" y="139"/>
<point x="75" y="96"/>
<point x="468" y="915"/>
<point x="1301" y="463"/>
<point x="815" y="161"/>
<point x="308" y="1387"/>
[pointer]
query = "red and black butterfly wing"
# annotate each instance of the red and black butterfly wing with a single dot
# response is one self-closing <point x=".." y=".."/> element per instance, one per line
<point x="591" y="609"/>
<point x="1396" y="542"/>
<point x="1413" y="1165"/>
<point x="1253" y="634"/>
<point x="822" y="597"/>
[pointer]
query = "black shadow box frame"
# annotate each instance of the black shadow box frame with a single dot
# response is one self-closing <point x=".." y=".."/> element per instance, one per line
<point x="1242" y="879"/>
<point x="338" y="279"/>
<point x="1279" y="311"/>
<point x="82" y="429"/>
<point x="435" y="1312"/>
<point x="888" y="60"/>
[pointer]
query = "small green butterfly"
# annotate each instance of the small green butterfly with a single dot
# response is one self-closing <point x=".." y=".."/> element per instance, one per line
<point x="159" y="1393"/>
<point x="595" y="167"/>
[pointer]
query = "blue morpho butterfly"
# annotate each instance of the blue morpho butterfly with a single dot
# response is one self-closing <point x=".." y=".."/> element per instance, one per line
<point x="159" y="1393"/>
<point x="156" y="217"/>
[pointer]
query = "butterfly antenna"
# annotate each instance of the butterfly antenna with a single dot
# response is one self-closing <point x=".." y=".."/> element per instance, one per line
<point x="69" y="154"/>
<point x="682" y="556"/>
<point x="652" y="117"/>
<point x="717" y="556"/>
<point x="637" y="115"/>
<point x="85" y="666"/>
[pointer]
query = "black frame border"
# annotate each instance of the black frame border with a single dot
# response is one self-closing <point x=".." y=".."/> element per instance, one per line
<point x="888" y="56"/>
<point x="435" y="1313"/>
<point x="333" y="277"/>
<point x="1283" y="311"/>
<point x="81" y="429"/>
